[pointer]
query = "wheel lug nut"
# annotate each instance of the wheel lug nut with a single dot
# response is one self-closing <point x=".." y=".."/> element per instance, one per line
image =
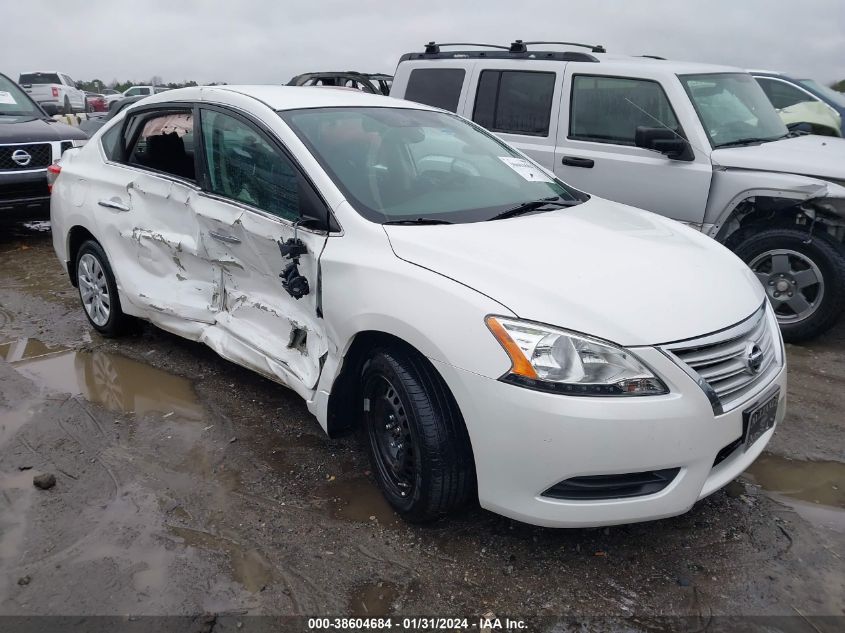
<point x="771" y="283"/>
<point x="777" y="294"/>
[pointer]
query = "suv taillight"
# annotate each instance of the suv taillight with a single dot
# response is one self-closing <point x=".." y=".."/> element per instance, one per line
<point x="53" y="172"/>
<point x="55" y="91"/>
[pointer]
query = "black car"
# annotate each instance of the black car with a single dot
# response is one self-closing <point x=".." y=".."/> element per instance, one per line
<point x="29" y="142"/>
<point x="375" y="83"/>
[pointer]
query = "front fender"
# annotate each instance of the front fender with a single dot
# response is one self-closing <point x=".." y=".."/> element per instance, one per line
<point x="731" y="186"/>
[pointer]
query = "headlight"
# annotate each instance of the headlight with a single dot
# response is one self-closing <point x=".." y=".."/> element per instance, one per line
<point x="550" y="359"/>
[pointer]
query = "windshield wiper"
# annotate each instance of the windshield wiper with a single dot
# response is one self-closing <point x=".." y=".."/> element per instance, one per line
<point x="420" y="221"/>
<point x="534" y="205"/>
<point x="745" y="141"/>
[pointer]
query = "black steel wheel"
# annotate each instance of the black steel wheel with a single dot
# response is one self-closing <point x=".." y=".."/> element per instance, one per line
<point x="416" y="438"/>
<point x="391" y="441"/>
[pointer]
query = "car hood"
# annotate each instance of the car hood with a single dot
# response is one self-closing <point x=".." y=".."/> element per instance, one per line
<point x="601" y="268"/>
<point x="809" y="155"/>
<point x="813" y="112"/>
<point x="29" y="130"/>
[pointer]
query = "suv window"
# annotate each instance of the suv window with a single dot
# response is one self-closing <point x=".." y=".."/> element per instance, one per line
<point x="243" y="166"/>
<point x="163" y="142"/>
<point x="609" y="109"/>
<point x="514" y="101"/>
<point x="437" y="87"/>
<point x="781" y="94"/>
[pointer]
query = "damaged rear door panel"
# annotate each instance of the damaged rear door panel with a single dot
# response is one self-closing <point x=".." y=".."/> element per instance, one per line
<point x="252" y="205"/>
<point x="151" y="233"/>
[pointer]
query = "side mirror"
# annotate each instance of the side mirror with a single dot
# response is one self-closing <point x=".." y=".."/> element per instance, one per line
<point x="664" y="141"/>
<point x="313" y="210"/>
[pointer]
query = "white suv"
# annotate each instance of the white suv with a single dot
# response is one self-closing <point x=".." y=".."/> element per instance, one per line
<point x="698" y="143"/>
<point x="495" y="331"/>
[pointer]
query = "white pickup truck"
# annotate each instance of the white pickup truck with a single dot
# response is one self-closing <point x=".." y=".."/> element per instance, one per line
<point x="698" y="143"/>
<point x="134" y="91"/>
<point x="54" y="91"/>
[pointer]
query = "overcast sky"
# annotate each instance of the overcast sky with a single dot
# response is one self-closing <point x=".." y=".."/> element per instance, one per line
<point x="269" y="41"/>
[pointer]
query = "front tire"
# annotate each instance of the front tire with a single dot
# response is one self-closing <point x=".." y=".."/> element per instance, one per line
<point x="417" y="442"/>
<point x="98" y="291"/>
<point x="804" y="278"/>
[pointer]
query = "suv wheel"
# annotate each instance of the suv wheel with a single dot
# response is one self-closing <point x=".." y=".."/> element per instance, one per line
<point x="804" y="278"/>
<point x="98" y="291"/>
<point x="416" y="438"/>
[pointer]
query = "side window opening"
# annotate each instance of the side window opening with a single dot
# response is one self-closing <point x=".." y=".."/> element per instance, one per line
<point x="515" y="101"/>
<point x="783" y="95"/>
<point x="437" y="87"/>
<point x="609" y="109"/>
<point x="111" y="141"/>
<point x="165" y="143"/>
<point x="245" y="167"/>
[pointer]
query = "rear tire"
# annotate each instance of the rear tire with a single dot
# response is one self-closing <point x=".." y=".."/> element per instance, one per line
<point x="804" y="281"/>
<point x="418" y="445"/>
<point x="98" y="291"/>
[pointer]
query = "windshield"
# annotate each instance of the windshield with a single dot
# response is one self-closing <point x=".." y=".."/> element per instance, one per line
<point x="733" y="109"/>
<point x="405" y="164"/>
<point x="836" y="97"/>
<point x="14" y="101"/>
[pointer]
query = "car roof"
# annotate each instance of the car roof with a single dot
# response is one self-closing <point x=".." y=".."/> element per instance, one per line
<point x="289" y="97"/>
<point x="670" y="65"/>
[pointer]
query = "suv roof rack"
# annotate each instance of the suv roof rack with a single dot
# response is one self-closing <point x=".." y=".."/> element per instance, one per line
<point x="433" y="48"/>
<point x="517" y="50"/>
<point x="518" y="46"/>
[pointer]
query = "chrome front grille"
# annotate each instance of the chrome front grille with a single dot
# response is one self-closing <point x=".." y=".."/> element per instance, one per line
<point x="735" y="363"/>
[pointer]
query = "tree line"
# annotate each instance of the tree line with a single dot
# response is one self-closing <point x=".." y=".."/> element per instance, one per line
<point x="97" y="85"/>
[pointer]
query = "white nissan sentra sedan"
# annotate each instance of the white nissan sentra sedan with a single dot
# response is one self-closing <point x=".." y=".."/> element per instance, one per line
<point x="569" y="360"/>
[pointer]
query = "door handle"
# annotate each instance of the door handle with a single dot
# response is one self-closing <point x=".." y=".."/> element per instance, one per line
<point x="577" y="161"/>
<point x="114" y="203"/>
<point x="223" y="237"/>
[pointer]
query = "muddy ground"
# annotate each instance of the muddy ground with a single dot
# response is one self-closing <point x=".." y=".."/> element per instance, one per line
<point x="188" y="485"/>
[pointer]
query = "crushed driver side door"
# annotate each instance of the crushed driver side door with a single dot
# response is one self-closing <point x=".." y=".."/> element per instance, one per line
<point x="253" y="198"/>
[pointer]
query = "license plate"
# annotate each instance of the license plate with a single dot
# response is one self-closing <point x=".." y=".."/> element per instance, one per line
<point x="759" y="419"/>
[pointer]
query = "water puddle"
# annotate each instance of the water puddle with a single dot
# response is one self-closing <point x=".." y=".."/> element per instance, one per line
<point x="249" y="567"/>
<point x="358" y="500"/>
<point x="12" y="421"/>
<point x="112" y="381"/>
<point x="373" y="600"/>
<point x="815" y="490"/>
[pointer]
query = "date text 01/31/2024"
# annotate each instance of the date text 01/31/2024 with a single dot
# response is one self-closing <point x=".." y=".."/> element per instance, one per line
<point x="415" y="624"/>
